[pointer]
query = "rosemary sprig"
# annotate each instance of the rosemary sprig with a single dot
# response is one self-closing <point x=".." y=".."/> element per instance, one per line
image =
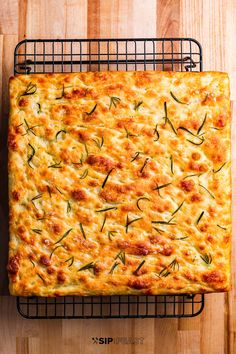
<point x="105" y="209"/>
<point x="206" y="97"/>
<point x="194" y="175"/>
<point x="114" y="101"/>
<point x="29" y="129"/>
<point x="201" y="126"/>
<point x="160" y="187"/>
<point x="137" y="105"/>
<point x="207" y="258"/>
<point x="98" y="142"/>
<point x="194" y="143"/>
<point x="144" y="165"/>
<point x="176" y="99"/>
<point x="171" y="267"/>
<point x="103" y="224"/>
<point x="30" y="157"/>
<point x="129" y="222"/>
<point x="88" y="266"/>
<point x="128" y="133"/>
<point x="158" y="230"/>
<point x="139" y="199"/>
<point x="181" y="238"/>
<point x="32" y="262"/>
<point x="86" y="149"/>
<point x="179" y="207"/>
<point x="37" y="197"/>
<point x="68" y="209"/>
<point x="55" y="250"/>
<point x="58" y="190"/>
<point x="39" y="106"/>
<point x="187" y="130"/>
<point x="207" y="191"/>
<point x="84" y="174"/>
<point x="30" y="89"/>
<point x="107" y="176"/>
<point x="171" y="164"/>
<point x="40" y="276"/>
<point x="111" y="234"/>
<point x="63" y="236"/>
<point x="199" y="218"/>
<point x="82" y="230"/>
<point x="37" y="231"/>
<point x="167" y="119"/>
<point x="92" y="111"/>
<point x="139" y="267"/>
<point x="161" y="222"/>
<point x="114" y="267"/>
<point x="215" y="171"/>
<point x="157" y="133"/>
<point x="81" y="160"/>
<point x="62" y="93"/>
<point x="71" y="260"/>
<point x="55" y="165"/>
<point x="121" y="256"/>
<point x="221" y="227"/>
<point x="135" y="156"/>
<point x="60" y="132"/>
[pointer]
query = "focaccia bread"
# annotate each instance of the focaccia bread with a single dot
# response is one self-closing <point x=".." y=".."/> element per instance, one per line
<point x="119" y="183"/>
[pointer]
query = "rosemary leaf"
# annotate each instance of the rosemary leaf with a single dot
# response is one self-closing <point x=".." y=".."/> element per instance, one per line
<point x="37" y="197"/>
<point x="207" y="258"/>
<point x="71" y="260"/>
<point x="105" y="209"/>
<point x="49" y="191"/>
<point x="201" y="126"/>
<point x="30" y="89"/>
<point x="139" y="199"/>
<point x="107" y="176"/>
<point x="114" y="101"/>
<point x="63" y="236"/>
<point x="103" y="224"/>
<point x="55" y="165"/>
<point x="129" y="222"/>
<point x="62" y="93"/>
<point x="68" y="209"/>
<point x="176" y="99"/>
<point x="179" y="207"/>
<point x="171" y="164"/>
<point x="114" y="267"/>
<point x="92" y="111"/>
<point x="221" y="227"/>
<point x="40" y="276"/>
<point x="98" y="142"/>
<point x="111" y="234"/>
<point x="215" y="171"/>
<point x="55" y="250"/>
<point x="194" y="143"/>
<point x="90" y="265"/>
<point x="37" y="231"/>
<point x="144" y="165"/>
<point x="84" y="174"/>
<point x="199" y="218"/>
<point x="157" y="133"/>
<point x="121" y="256"/>
<point x="161" y="222"/>
<point x="207" y="191"/>
<point x="30" y="157"/>
<point x="137" y="105"/>
<point x="60" y="132"/>
<point x="82" y="230"/>
<point x="139" y="267"/>
<point x="135" y="156"/>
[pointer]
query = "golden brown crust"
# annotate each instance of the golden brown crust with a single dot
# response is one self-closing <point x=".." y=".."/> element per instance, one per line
<point x="119" y="183"/>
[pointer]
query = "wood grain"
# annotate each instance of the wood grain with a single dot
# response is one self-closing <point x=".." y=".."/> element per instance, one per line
<point x="212" y="22"/>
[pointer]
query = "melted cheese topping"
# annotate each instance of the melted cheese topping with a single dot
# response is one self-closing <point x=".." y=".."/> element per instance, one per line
<point x="119" y="183"/>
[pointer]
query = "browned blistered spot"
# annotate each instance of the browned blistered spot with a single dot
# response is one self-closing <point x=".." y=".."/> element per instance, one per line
<point x="79" y="194"/>
<point x="204" y="227"/>
<point x="191" y="276"/>
<point x="101" y="162"/>
<point x="213" y="276"/>
<point x="13" y="264"/>
<point x="76" y="93"/>
<point x="56" y="228"/>
<point x="210" y="239"/>
<point x="167" y="250"/>
<point x="12" y="141"/>
<point x="212" y="211"/>
<point x="124" y="122"/>
<point x="21" y="230"/>
<point x="45" y="260"/>
<point x="139" y="283"/>
<point x="65" y="156"/>
<point x="61" y="276"/>
<point x="128" y="207"/>
<point x="197" y="166"/>
<point x="83" y="135"/>
<point x="221" y="121"/>
<point x="196" y="197"/>
<point x="50" y="270"/>
<point x="23" y="102"/>
<point x="187" y="186"/>
<point x="196" y="156"/>
<point x="16" y="195"/>
<point x="227" y="239"/>
<point x="93" y="183"/>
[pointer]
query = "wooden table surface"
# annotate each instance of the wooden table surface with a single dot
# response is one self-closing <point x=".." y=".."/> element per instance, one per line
<point x="212" y="22"/>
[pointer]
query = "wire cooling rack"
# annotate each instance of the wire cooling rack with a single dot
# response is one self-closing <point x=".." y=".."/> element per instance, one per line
<point x="51" y="56"/>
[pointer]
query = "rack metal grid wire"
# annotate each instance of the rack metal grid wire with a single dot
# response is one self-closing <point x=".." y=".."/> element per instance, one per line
<point x="33" y="56"/>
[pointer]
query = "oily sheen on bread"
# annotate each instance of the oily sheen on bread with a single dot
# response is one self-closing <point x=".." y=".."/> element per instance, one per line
<point x="119" y="183"/>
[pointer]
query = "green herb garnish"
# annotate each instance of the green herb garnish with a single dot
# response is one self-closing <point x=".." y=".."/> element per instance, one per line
<point x="88" y="266"/>
<point x="37" y="197"/>
<point x="192" y="142"/>
<point x="135" y="156"/>
<point x="171" y="267"/>
<point x="105" y="209"/>
<point x="144" y="165"/>
<point x="58" y="190"/>
<point x="30" y="89"/>
<point x="157" y="133"/>
<point x="111" y="234"/>
<point x="32" y="262"/>
<point x="160" y="187"/>
<point x="176" y="99"/>
<point x="194" y="175"/>
<point x="40" y="276"/>
<point x="30" y="157"/>
<point x="139" y="199"/>
<point x="49" y="191"/>
<point x="129" y="222"/>
<point x="60" y="132"/>
<point x="139" y="267"/>
<point x="92" y="111"/>
<point x="128" y="133"/>
<point x="114" y="101"/>
<point x="207" y="258"/>
<point x="63" y="236"/>
<point x="167" y="120"/>
<point x="30" y="129"/>
<point x="55" y="250"/>
<point x="201" y="126"/>
<point x="207" y="191"/>
<point x="199" y="218"/>
<point x="98" y="142"/>
<point x="37" y="231"/>
<point x="39" y="106"/>
<point x="137" y="105"/>
<point x="121" y="256"/>
<point x="221" y="227"/>
<point x="114" y="267"/>
<point x="82" y="230"/>
<point x="62" y="93"/>
<point x="71" y="260"/>
<point x="55" y="165"/>
<point x="164" y="222"/>
<point x="84" y="174"/>
<point x="158" y="230"/>
<point x="103" y="224"/>
<point x="215" y="171"/>
<point x="171" y="164"/>
<point x="68" y="209"/>
<point x="179" y="207"/>
<point x="107" y="176"/>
